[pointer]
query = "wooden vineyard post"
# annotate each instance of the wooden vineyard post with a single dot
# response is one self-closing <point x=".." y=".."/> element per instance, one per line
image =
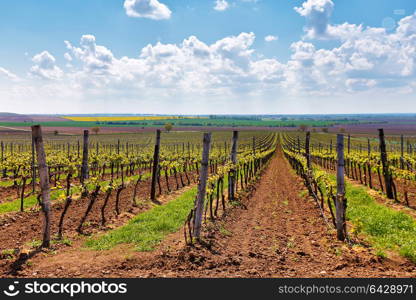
<point x="231" y="184"/>
<point x="254" y="145"/>
<point x="203" y="177"/>
<point x="44" y="183"/>
<point x="298" y="144"/>
<point x="84" y="167"/>
<point x="368" y="147"/>
<point x="33" y="166"/>
<point x="307" y="151"/>
<point x="384" y="161"/>
<point x="340" y="202"/>
<point x="155" y="166"/>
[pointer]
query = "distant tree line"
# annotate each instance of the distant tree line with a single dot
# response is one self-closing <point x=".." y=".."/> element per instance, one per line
<point x="235" y="117"/>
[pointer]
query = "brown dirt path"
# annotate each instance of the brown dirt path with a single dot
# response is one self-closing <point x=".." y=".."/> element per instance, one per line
<point x="276" y="233"/>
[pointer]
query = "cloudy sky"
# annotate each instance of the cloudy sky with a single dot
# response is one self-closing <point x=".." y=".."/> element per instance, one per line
<point x="208" y="56"/>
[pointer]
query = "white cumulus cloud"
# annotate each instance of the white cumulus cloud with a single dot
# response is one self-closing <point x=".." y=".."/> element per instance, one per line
<point x="364" y="61"/>
<point x="96" y="59"/>
<point x="367" y="59"/>
<point x="271" y="38"/>
<point x="45" y="66"/>
<point x="221" y="5"/>
<point x="317" y="14"/>
<point x="225" y="67"/>
<point x="152" y="9"/>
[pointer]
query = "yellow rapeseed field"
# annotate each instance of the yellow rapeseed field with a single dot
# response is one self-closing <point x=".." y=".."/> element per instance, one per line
<point x="128" y="118"/>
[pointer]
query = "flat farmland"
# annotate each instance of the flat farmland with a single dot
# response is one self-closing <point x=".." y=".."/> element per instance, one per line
<point x="125" y="205"/>
<point x="263" y="232"/>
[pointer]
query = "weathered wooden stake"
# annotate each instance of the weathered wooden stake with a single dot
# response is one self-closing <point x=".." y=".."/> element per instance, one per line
<point x="307" y="151"/>
<point x="340" y="202"/>
<point x="33" y="166"/>
<point x="155" y="166"/>
<point x="203" y="176"/>
<point x="384" y="161"/>
<point x="232" y="181"/>
<point x="44" y="184"/>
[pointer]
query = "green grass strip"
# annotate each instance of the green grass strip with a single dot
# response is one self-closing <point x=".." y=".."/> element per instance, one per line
<point x="6" y="184"/>
<point x="386" y="228"/>
<point x="148" y="229"/>
<point x="27" y="203"/>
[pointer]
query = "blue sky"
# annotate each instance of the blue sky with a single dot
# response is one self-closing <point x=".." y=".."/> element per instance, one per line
<point x="317" y="60"/>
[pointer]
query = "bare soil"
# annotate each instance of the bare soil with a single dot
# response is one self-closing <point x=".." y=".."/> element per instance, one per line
<point x="275" y="233"/>
<point x="9" y="194"/>
<point x="19" y="229"/>
<point x="393" y="128"/>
